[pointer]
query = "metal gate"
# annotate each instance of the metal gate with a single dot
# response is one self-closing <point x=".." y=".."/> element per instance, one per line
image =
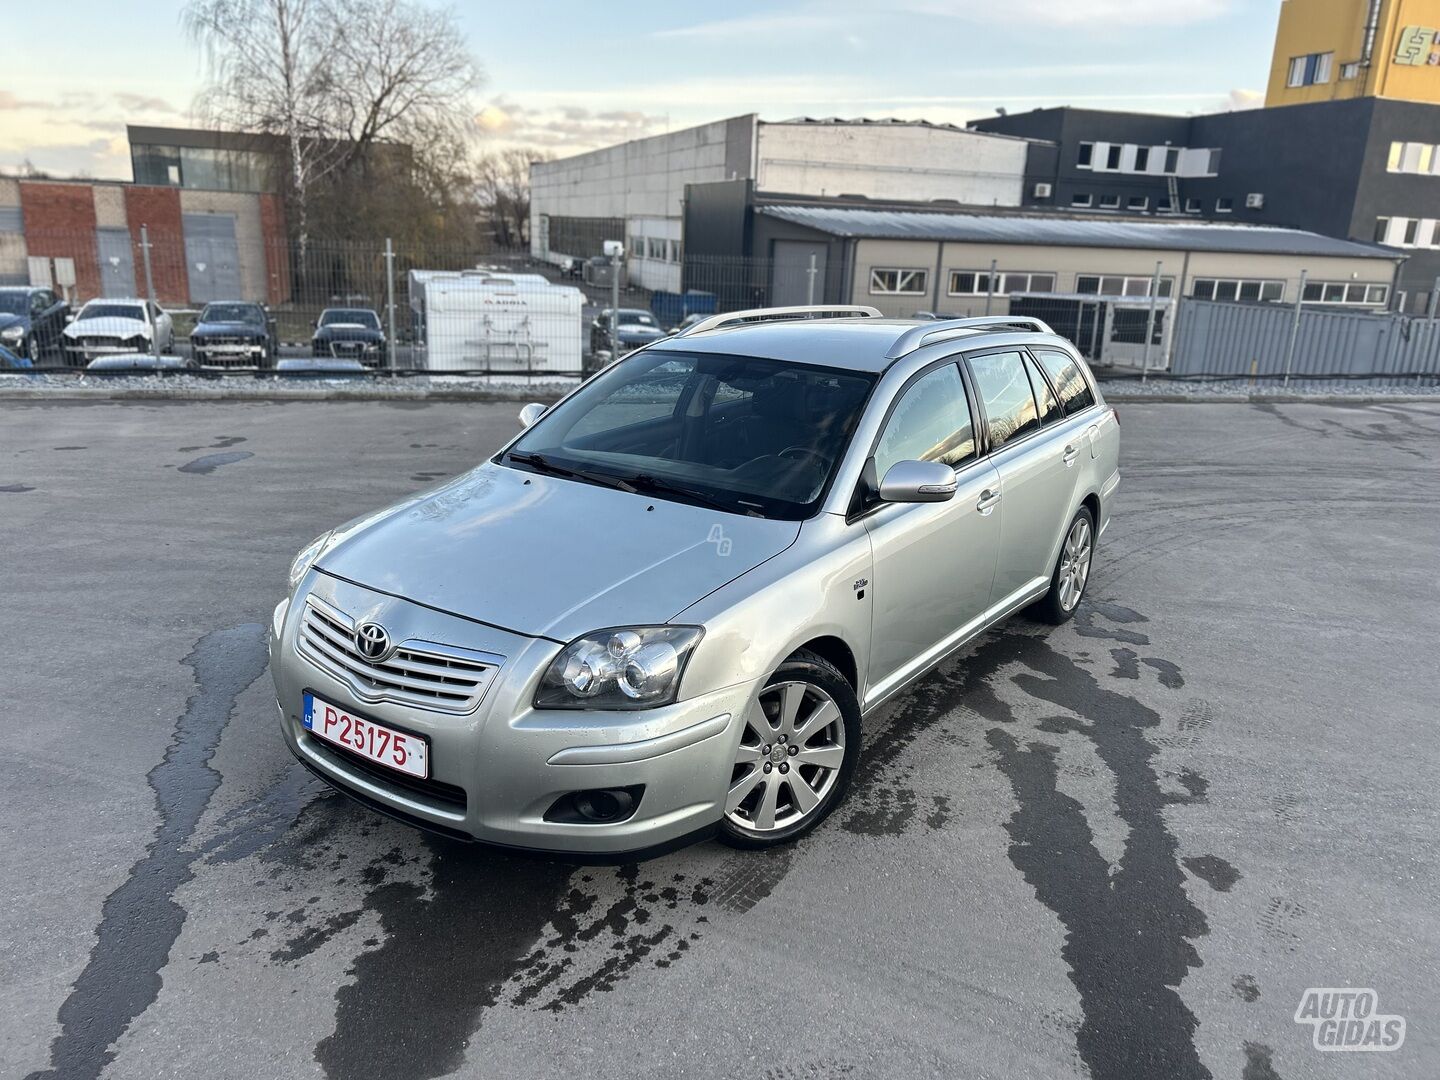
<point x="117" y="262"/>
<point x="212" y="257"/>
<point x="797" y="280"/>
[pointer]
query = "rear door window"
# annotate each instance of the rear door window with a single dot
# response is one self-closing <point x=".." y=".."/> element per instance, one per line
<point x="1069" y="380"/>
<point x="1049" y="405"/>
<point x="1005" y="393"/>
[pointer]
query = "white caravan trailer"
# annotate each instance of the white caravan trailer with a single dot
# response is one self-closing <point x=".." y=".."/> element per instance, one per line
<point x="512" y="322"/>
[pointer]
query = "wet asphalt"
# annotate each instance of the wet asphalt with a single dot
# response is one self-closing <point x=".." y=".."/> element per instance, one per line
<point x="1121" y="848"/>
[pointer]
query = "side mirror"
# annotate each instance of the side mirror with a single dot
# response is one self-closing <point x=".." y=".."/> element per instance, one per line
<point x="532" y="412"/>
<point x="917" y="482"/>
<point x="69" y="317"/>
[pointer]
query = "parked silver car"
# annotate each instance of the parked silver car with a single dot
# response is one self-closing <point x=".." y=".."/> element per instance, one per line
<point x="664" y="608"/>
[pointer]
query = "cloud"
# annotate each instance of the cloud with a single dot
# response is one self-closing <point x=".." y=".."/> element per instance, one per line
<point x="10" y="103"/>
<point x="1244" y="99"/>
<point x="143" y="103"/>
<point x="562" y="126"/>
<point x="840" y="18"/>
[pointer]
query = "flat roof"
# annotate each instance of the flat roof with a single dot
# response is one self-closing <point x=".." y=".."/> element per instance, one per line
<point x="1045" y="231"/>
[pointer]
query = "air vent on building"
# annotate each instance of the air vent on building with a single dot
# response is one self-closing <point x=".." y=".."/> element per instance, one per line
<point x="1254" y="201"/>
<point x="1042" y="191"/>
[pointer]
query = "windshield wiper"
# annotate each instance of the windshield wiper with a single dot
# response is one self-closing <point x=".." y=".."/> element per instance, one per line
<point x="540" y="463"/>
<point x="658" y="485"/>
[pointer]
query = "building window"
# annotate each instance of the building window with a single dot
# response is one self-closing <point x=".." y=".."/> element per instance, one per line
<point x="1172" y="159"/>
<point x="1192" y="206"/>
<point x="1142" y="158"/>
<point x="1310" y="70"/>
<point x="1212" y="164"/>
<point x="1086" y="156"/>
<point x="1382" y="229"/>
<point x="1267" y="291"/>
<point x="1109" y="202"/>
<point x="1112" y="156"/>
<point x="898" y="282"/>
<point x="1120" y="285"/>
<point x="1434" y="240"/>
<point x="1224" y="205"/>
<point x="977" y="283"/>
<point x="1413" y="157"/>
<point x="1412" y="231"/>
<point x="1137" y="202"/>
<point x="1164" y="205"/>
<point x="1353" y="293"/>
<point x="1080" y="199"/>
<point x="1349" y="71"/>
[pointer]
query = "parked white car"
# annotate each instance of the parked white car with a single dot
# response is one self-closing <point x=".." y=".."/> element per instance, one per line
<point x="109" y="327"/>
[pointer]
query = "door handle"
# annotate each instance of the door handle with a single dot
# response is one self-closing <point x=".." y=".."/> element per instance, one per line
<point x="988" y="499"/>
<point x="1071" y="452"/>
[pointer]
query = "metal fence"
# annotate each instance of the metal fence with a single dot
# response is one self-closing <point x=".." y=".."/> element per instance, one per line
<point x="392" y="308"/>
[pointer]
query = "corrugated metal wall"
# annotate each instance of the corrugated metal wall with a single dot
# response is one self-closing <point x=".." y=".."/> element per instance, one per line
<point x="1234" y="339"/>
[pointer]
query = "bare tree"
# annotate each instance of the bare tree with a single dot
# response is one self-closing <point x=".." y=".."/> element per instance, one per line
<point x="502" y="190"/>
<point x="333" y="78"/>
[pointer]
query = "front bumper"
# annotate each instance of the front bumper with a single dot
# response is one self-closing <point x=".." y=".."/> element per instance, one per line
<point x="86" y="353"/>
<point x="497" y="769"/>
<point x="228" y="353"/>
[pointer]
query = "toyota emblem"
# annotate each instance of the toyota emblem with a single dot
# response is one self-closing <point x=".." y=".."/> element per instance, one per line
<point x="372" y="641"/>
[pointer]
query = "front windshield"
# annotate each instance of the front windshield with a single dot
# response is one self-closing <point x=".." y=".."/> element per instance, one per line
<point x="636" y="318"/>
<point x="14" y="303"/>
<point x="242" y="313"/>
<point x="351" y="316"/>
<point x="757" y="436"/>
<point x="112" y="311"/>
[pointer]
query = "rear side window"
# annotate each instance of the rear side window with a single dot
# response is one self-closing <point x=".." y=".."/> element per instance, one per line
<point x="1004" y="390"/>
<point x="1065" y="373"/>
<point x="931" y="422"/>
<point x="1049" y="407"/>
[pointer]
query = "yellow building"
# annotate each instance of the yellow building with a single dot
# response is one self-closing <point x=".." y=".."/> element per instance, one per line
<point x="1331" y="49"/>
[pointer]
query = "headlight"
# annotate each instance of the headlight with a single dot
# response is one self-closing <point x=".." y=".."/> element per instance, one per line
<point x="14" y="333"/>
<point x="630" y="667"/>
<point x="308" y="554"/>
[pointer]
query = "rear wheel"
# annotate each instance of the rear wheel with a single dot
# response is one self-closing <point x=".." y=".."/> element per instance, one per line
<point x="1072" y="570"/>
<point x="796" y="755"/>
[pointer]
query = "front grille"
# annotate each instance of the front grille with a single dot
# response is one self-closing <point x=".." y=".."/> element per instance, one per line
<point x="228" y="339"/>
<point x="447" y="796"/>
<point x="100" y="342"/>
<point x="439" y="678"/>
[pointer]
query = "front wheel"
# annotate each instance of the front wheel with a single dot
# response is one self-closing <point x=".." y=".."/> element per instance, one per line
<point x="1072" y="570"/>
<point x="32" y="350"/>
<point x="796" y="755"/>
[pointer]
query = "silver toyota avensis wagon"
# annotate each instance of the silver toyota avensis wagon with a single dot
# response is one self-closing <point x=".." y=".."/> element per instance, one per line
<point x="665" y="607"/>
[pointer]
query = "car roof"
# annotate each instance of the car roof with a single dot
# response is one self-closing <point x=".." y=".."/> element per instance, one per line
<point x="854" y="344"/>
<point x="113" y="300"/>
<point x="21" y="288"/>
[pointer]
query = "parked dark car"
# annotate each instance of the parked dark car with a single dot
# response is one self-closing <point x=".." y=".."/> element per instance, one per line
<point x="636" y="326"/>
<point x="349" y="334"/>
<point x="31" y="321"/>
<point x="233" y="333"/>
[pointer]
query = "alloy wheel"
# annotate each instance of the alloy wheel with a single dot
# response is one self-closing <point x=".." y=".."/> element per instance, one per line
<point x="1075" y="564"/>
<point x="33" y="349"/>
<point x="789" y="757"/>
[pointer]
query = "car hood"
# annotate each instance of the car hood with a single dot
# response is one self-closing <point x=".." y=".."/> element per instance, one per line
<point x="355" y="331"/>
<point x="228" y="328"/>
<point x="549" y="557"/>
<point x="108" y="326"/>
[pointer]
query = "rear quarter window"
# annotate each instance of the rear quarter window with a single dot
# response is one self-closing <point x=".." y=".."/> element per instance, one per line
<point x="1068" y="379"/>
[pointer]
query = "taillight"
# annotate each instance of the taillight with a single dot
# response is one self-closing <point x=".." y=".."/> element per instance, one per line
<point x="1115" y="415"/>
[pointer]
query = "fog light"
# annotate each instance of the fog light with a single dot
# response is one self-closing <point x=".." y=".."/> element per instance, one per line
<point x="596" y="806"/>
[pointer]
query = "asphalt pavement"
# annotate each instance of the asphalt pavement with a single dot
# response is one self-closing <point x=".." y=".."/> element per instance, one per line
<point x="1121" y="848"/>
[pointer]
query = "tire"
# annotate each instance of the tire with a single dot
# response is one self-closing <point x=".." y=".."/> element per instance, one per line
<point x="32" y="350"/>
<point x="832" y="748"/>
<point x="1077" y="551"/>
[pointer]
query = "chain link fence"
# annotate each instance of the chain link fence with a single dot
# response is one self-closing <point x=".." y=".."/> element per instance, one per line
<point x="214" y="299"/>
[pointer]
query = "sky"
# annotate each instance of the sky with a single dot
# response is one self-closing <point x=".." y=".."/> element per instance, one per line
<point x="566" y="76"/>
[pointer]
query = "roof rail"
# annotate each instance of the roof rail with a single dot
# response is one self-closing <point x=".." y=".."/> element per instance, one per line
<point x="928" y="333"/>
<point x="781" y="314"/>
